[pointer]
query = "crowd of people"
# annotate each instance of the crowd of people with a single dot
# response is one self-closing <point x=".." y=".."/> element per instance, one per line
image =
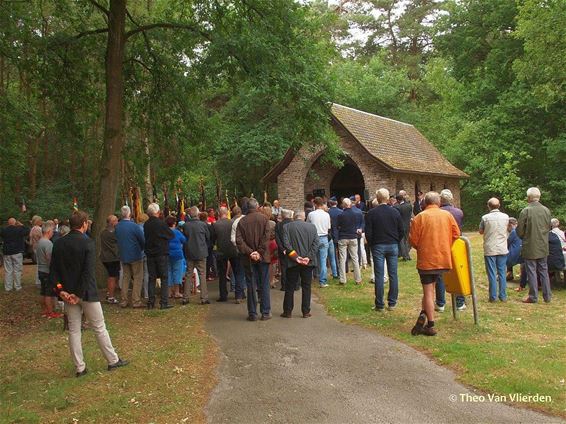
<point x="252" y="245"/>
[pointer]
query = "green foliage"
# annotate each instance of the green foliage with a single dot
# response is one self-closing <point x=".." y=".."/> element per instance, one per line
<point x="374" y="86"/>
<point x="222" y="96"/>
<point x="541" y="26"/>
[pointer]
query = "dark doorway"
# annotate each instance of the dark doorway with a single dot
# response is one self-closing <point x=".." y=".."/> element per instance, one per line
<point x="347" y="182"/>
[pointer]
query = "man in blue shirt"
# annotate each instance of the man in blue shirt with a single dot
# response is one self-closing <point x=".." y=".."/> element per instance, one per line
<point x="334" y="213"/>
<point x="130" y="249"/>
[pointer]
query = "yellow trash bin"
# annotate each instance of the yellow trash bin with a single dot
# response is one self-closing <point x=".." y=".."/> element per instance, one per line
<point x="457" y="280"/>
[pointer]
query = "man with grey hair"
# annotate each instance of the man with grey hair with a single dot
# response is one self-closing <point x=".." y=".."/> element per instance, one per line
<point x="349" y="229"/>
<point x="157" y="236"/>
<point x="446" y="203"/>
<point x="493" y="227"/>
<point x="196" y="251"/>
<point x="131" y="243"/>
<point x="252" y="237"/>
<point x="43" y="256"/>
<point x="555" y="228"/>
<point x="13" y="251"/>
<point x="301" y="245"/>
<point x="533" y="227"/>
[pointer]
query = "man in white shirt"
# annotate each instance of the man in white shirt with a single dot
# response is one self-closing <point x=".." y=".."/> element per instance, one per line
<point x="493" y="226"/>
<point x="321" y="220"/>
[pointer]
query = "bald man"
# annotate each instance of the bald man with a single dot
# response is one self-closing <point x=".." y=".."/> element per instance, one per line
<point x="14" y="235"/>
<point x="493" y="226"/>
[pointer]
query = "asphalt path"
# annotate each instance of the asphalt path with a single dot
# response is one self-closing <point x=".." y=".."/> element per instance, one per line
<point x="318" y="370"/>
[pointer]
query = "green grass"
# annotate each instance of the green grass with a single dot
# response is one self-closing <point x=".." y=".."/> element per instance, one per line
<point x="516" y="348"/>
<point x="169" y="378"/>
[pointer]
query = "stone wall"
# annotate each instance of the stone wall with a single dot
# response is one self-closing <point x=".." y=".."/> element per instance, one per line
<point x="306" y="172"/>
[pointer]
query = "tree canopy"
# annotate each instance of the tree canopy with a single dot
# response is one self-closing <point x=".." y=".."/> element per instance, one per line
<point x="212" y="93"/>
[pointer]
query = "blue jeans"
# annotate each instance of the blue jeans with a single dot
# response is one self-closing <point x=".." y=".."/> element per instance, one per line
<point x="382" y="253"/>
<point x="332" y="257"/>
<point x="441" y="294"/>
<point x="238" y="278"/>
<point x="322" y="254"/>
<point x="496" y="266"/>
<point x="257" y="275"/>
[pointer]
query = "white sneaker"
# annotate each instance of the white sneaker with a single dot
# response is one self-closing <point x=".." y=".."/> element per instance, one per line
<point x="439" y="308"/>
<point x="323" y="285"/>
<point x="461" y="308"/>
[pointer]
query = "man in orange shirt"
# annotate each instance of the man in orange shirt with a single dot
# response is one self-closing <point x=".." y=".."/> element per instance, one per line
<point x="432" y="233"/>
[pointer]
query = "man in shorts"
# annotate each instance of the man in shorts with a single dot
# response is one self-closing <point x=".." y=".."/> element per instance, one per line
<point x="43" y="250"/>
<point x="109" y="256"/>
<point x="432" y="233"/>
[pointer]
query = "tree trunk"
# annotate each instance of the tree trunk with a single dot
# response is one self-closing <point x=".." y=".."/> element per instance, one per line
<point x="113" y="146"/>
<point x="145" y="131"/>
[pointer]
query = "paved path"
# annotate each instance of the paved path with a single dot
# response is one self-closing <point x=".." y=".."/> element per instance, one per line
<point x="318" y="370"/>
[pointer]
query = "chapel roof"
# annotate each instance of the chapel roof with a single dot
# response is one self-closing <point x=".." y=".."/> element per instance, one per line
<point x="399" y="146"/>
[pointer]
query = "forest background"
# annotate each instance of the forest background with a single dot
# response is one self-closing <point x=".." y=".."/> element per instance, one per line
<point x="98" y="96"/>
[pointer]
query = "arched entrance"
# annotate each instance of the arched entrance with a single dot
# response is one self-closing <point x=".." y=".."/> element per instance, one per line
<point x="347" y="181"/>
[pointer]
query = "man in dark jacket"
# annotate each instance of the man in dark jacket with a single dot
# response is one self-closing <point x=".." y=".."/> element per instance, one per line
<point x="226" y="253"/>
<point x="279" y="228"/>
<point x="406" y="211"/>
<point x="349" y="229"/>
<point x="300" y="241"/>
<point x="533" y="227"/>
<point x="334" y="212"/>
<point x="384" y="231"/>
<point x="252" y="237"/>
<point x="157" y="235"/>
<point x="72" y="275"/>
<point x="14" y="246"/>
<point x="196" y="252"/>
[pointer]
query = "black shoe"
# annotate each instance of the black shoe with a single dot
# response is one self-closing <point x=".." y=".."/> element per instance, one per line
<point x="418" y="328"/>
<point x="205" y="302"/>
<point x="252" y="318"/>
<point x="266" y="317"/>
<point x="285" y="315"/>
<point x="80" y="374"/>
<point x="118" y="364"/>
<point x="150" y="305"/>
<point x="166" y="306"/>
<point x="185" y="302"/>
<point x="221" y="300"/>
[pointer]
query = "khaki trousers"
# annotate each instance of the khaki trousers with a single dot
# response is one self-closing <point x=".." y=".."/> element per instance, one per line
<point x="345" y="247"/>
<point x="13" y="265"/>
<point x="132" y="272"/>
<point x="200" y="265"/>
<point x="95" y="317"/>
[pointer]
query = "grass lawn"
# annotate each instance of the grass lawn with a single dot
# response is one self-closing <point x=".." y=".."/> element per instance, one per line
<point x="517" y="348"/>
<point x="170" y="376"/>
